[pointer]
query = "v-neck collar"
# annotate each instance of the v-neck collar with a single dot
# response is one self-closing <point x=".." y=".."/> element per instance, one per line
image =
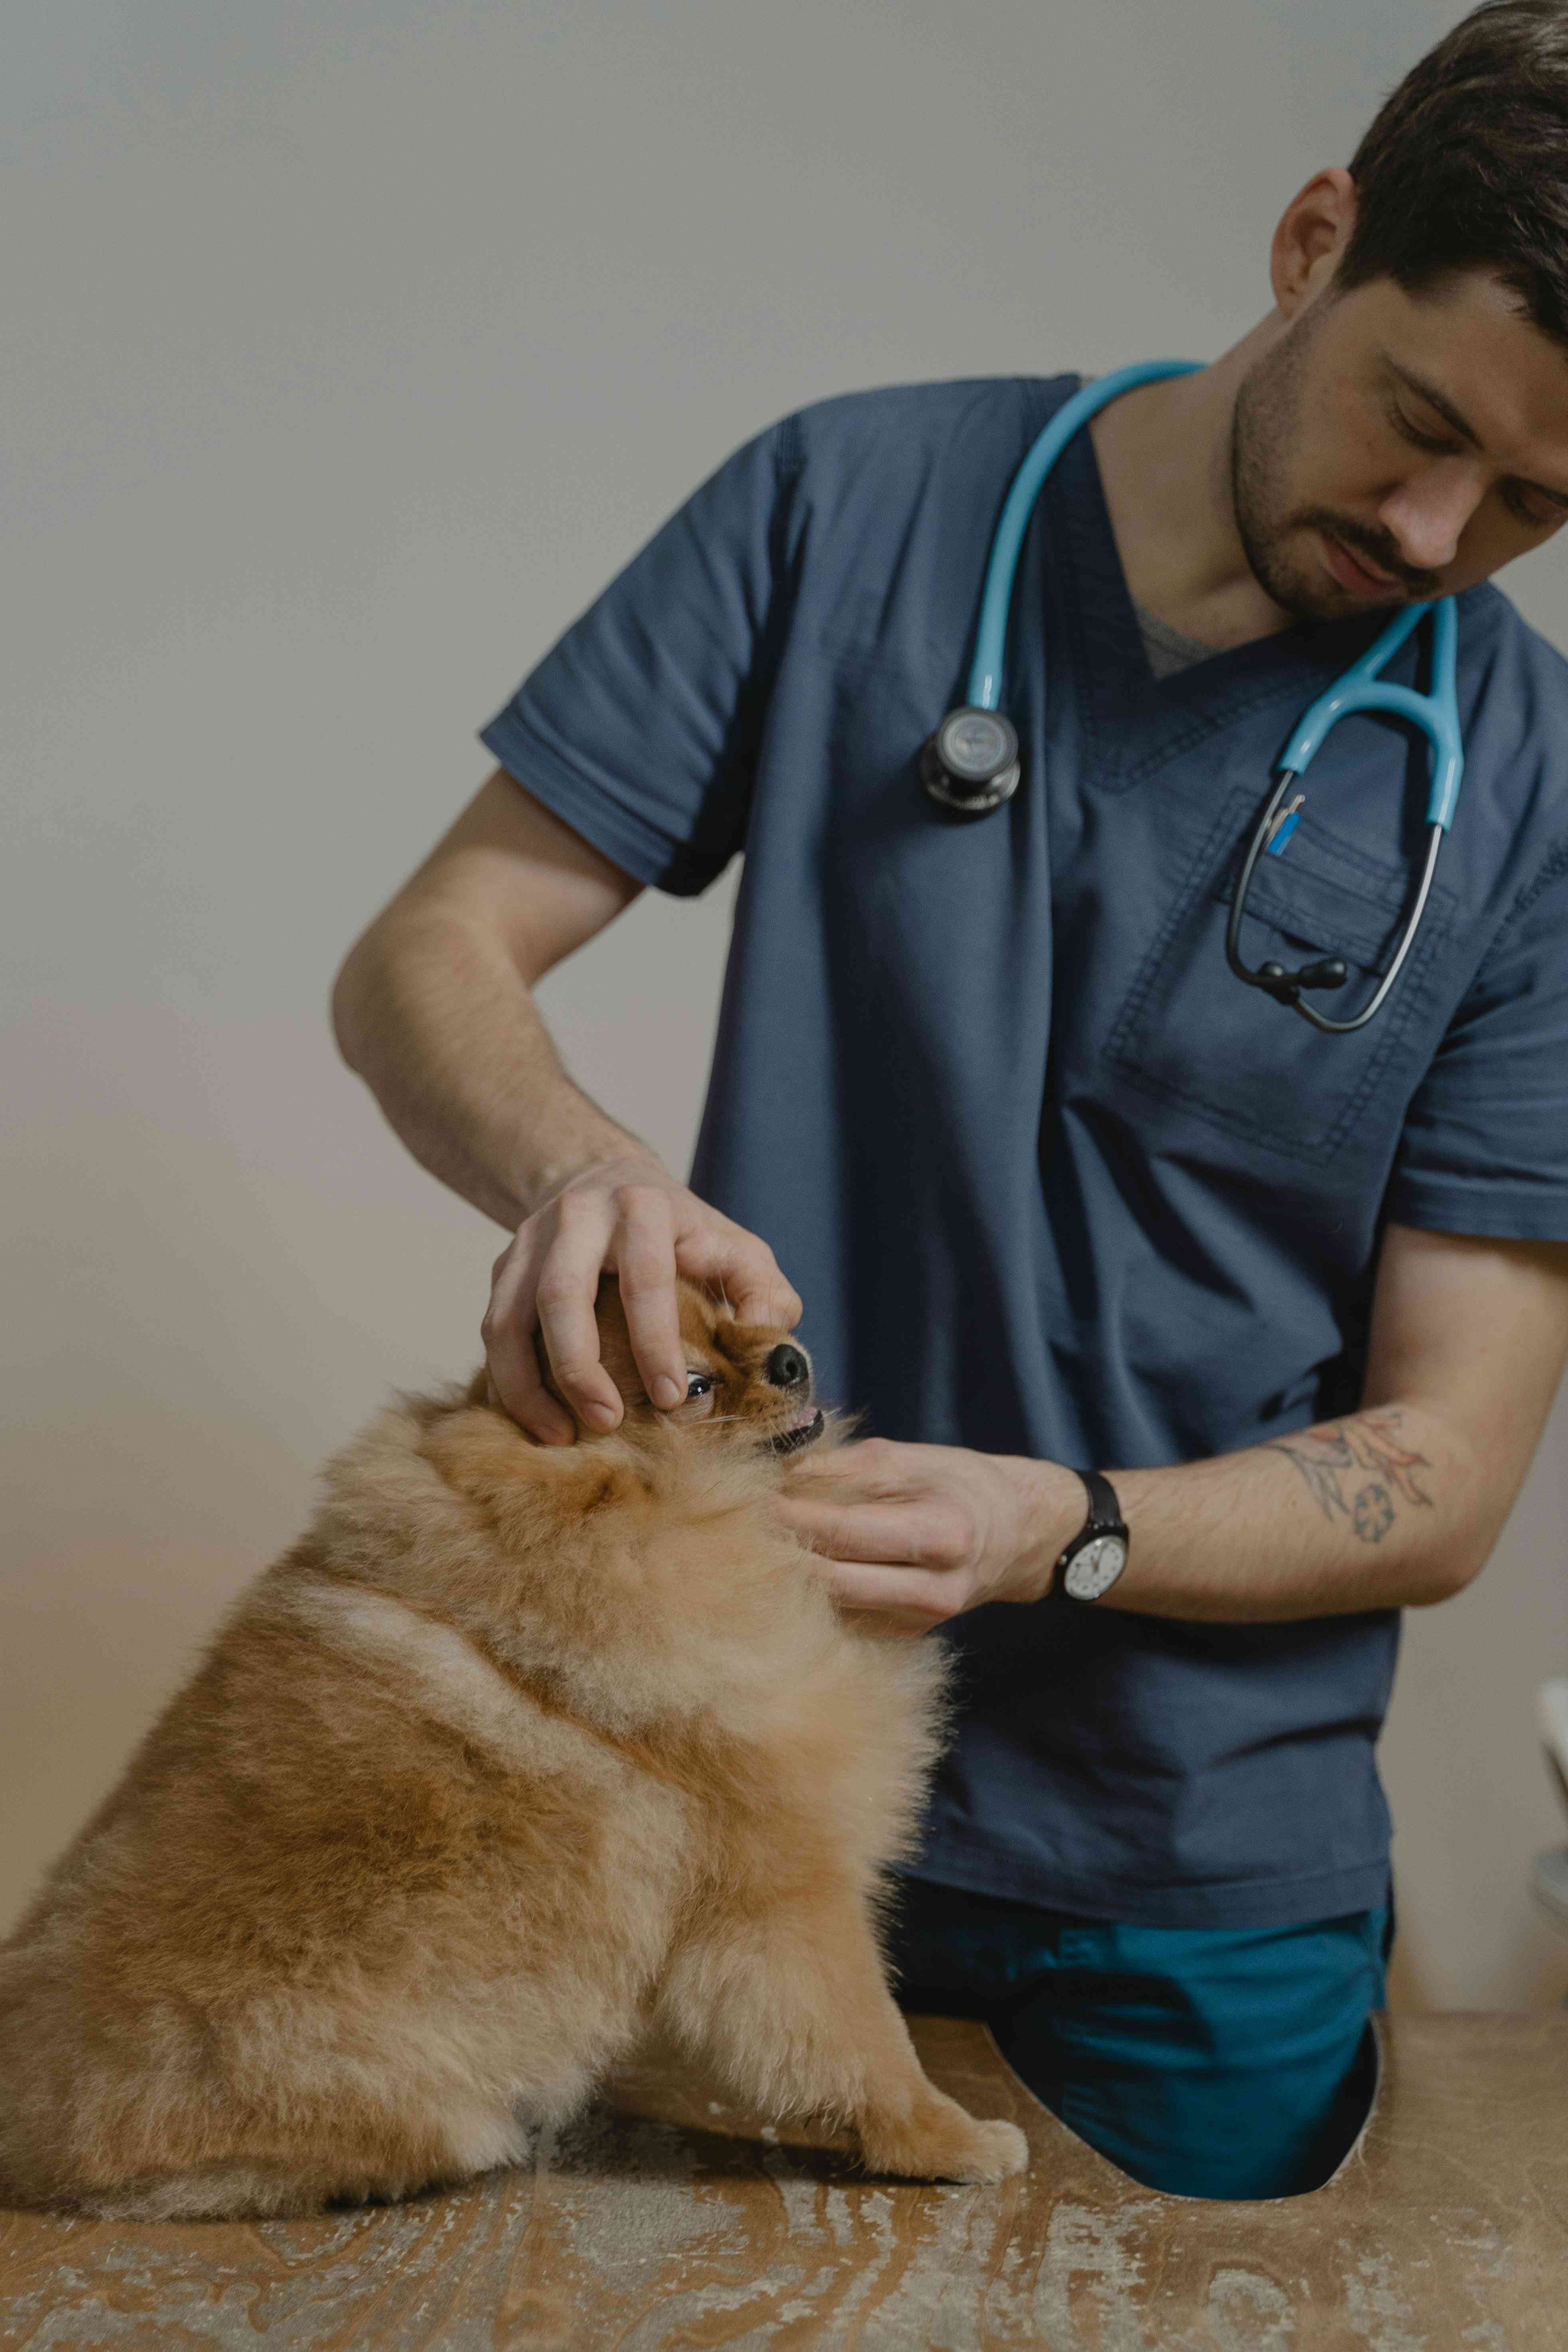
<point x="1133" y="722"/>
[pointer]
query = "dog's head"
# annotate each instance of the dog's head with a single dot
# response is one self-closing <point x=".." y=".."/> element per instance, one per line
<point x="749" y="1382"/>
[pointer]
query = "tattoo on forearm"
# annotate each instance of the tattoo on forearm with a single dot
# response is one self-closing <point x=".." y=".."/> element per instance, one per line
<point x="1336" y="1459"/>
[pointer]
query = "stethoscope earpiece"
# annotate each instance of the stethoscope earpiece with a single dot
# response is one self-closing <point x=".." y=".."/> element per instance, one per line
<point x="971" y="764"/>
<point x="1328" y="971"/>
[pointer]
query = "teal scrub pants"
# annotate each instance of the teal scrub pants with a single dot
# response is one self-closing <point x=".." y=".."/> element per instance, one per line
<point x="1206" y="2062"/>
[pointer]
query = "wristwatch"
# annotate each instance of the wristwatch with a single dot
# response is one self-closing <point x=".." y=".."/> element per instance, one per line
<point x="1098" y="1553"/>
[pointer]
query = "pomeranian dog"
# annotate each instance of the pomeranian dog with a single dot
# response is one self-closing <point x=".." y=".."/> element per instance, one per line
<point x="519" y="1752"/>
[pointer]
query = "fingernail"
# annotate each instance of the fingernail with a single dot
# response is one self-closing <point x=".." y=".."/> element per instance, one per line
<point x="602" y="1415"/>
<point x="665" y="1392"/>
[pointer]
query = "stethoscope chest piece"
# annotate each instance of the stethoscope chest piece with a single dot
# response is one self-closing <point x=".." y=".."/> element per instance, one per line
<point x="971" y="764"/>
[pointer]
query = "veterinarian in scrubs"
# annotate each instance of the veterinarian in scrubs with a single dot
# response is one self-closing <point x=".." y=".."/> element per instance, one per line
<point x="1057" y="1193"/>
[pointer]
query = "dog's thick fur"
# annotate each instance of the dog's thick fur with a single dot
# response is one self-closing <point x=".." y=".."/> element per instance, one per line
<point x="520" y="1751"/>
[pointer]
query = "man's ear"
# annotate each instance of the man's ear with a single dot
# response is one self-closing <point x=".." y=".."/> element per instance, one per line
<point x="1309" y="242"/>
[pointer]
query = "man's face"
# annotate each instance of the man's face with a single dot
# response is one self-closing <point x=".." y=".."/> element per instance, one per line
<point x="1391" y="447"/>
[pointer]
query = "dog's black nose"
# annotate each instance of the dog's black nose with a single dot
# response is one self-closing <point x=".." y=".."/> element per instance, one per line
<point x="786" y="1367"/>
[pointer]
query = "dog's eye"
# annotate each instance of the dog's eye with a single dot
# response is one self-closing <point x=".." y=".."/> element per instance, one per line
<point x="698" y="1384"/>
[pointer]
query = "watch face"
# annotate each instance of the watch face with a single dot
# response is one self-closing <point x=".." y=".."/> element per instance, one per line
<point x="1095" y="1568"/>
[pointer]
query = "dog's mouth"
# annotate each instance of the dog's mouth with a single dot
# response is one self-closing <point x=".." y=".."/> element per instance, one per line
<point x="802" y="1431"/>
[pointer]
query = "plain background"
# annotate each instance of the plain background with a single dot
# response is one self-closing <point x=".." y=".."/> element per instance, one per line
<point x="354" y="344"/>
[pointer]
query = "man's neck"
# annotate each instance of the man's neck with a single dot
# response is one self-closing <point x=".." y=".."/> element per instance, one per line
<point x="1165" y="461"/>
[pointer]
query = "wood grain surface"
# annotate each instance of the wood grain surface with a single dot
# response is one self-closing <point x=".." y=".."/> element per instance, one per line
<point x="665" y="2219"/>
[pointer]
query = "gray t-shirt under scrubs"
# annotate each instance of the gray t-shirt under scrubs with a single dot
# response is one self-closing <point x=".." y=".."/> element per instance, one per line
<point x="1049" y="1181"/>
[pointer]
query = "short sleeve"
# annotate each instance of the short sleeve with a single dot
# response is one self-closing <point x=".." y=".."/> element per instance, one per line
<point x="640" y="727"/>
<point x="1485" y="1144"/>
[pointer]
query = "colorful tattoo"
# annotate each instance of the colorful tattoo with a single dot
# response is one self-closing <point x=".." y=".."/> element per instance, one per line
<point x="1334" y="1461"/>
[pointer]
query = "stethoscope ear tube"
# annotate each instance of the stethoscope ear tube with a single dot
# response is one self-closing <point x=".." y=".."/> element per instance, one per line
<point x="1437" y="714"/>
<point x="1361" y="688"/>
<point x="1328" y="972"/>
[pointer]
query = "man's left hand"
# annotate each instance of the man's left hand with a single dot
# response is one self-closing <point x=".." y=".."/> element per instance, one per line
<point x="918" y="1534"/>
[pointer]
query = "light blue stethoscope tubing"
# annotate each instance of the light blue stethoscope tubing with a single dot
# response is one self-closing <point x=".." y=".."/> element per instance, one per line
<point x="1361" y="687"/>
<point x="1437" y="714"/>
<point x="984" y="691"/>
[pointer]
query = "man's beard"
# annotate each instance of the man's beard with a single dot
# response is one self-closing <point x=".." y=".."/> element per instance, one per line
<point x="1263" y="436"/>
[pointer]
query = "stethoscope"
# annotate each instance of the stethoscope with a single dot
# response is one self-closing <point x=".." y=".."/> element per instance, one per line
<point x="972" y="764"/>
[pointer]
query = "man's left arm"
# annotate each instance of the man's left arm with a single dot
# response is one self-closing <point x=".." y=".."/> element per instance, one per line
<point x="1398" y="1504"/>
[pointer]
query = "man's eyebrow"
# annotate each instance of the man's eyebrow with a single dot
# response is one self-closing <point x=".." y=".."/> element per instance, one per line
<point x="1461" y="424"/>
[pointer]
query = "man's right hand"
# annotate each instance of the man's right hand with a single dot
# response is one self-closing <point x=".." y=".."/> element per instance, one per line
<point x="630" y="1217"/>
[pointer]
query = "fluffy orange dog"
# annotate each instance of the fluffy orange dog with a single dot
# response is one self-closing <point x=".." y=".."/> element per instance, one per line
<point x="520" y="1751"/>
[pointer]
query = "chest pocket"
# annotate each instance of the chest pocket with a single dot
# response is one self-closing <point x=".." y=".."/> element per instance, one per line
<point x="1194" y="1035"/>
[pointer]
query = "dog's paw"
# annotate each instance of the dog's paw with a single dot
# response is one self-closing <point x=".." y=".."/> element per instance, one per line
<point x="942" y="2141"/>
<point x="998" y="2149"/>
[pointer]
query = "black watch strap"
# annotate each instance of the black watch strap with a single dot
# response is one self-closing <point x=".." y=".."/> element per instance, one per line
<point x="1097" y="1555"/>
<point x="1104" y="1510"/>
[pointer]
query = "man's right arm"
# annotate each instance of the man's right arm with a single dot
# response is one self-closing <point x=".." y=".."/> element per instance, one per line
<point x="433" y="1008"/>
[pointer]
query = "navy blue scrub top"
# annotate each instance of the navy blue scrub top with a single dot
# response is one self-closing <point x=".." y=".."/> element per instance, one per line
<point x="1049" y="1181"/>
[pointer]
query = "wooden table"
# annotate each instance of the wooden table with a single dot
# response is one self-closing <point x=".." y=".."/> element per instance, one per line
<point x="665" y="2219"/>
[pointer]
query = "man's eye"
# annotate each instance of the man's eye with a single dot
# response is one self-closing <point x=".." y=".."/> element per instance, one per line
<point x="698" y="1384"/>
<point x="1437" y="443"/>
<point x="1518" y="501"/>
<point x="1520" y="504"/>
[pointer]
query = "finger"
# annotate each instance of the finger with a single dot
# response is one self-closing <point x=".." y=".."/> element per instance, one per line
<point x="743" y="1267"/>
<point x="520" y="1393"/>
<point x="899" y="1622"/>
<point x="856" y="1531"/>
<point x="644" y="1255"/>
<point x="914" y="1597"/>
<point x="870" y="1470"/>
<point x="759" y="1292"/>
<point x="510" y="1357"/>
<point x="515" y="1384"/>
<point x="910" y="1534"/>
<point x="568" y="1285"/>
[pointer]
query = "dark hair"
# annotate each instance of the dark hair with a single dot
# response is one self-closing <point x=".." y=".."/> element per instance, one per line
<point x="1466" y="166"/>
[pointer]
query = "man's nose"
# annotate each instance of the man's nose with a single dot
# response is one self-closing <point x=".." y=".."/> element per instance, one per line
<point x="1428" y="514"/>
<point x="787" y="1366"/>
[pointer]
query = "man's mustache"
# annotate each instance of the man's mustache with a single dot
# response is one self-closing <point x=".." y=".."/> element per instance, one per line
<point x="1379" y="550"/>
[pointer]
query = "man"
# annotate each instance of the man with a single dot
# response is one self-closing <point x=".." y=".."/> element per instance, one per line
<point x="1058" y="1194"/>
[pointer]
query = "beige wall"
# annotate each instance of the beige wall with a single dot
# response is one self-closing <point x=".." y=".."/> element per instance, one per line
<point x="362" y="343"/>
